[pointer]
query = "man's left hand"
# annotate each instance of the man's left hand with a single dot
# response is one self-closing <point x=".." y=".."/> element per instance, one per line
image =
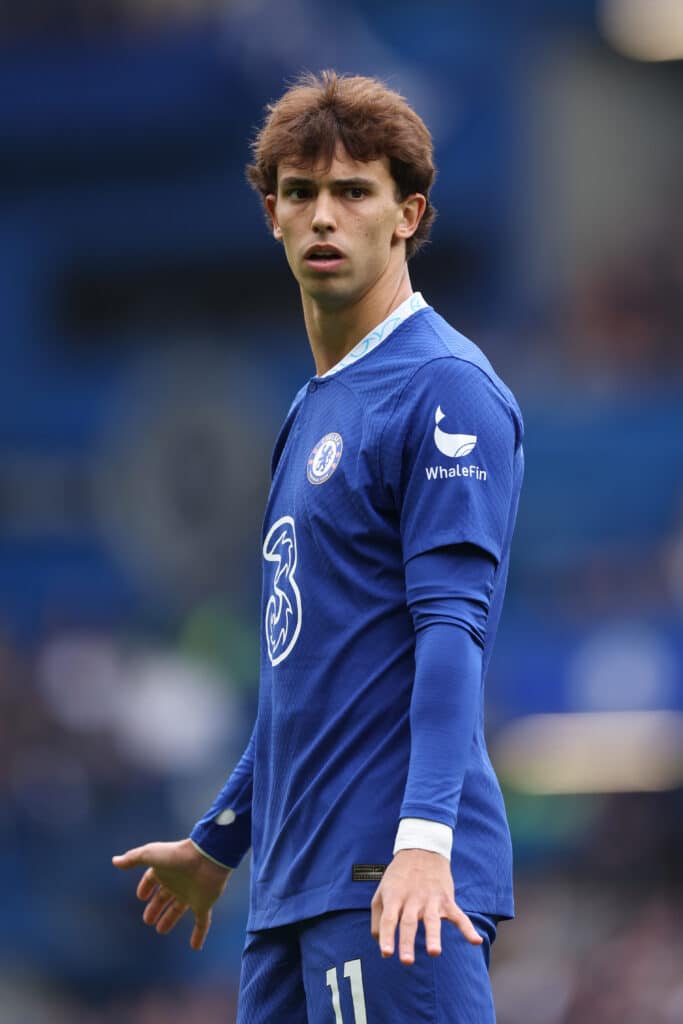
<point x="417" y="886"/>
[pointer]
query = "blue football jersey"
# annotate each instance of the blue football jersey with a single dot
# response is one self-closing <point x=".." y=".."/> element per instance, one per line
<point x="409" y="445"/>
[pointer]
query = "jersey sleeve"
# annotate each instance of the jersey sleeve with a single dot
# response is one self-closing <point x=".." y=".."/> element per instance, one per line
<point x="448" y="459"/>
<point x="224" y="832"/>
<point x="448" y="593"/>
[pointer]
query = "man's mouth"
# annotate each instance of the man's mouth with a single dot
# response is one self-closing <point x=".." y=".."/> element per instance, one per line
<point x="323" y="257"/>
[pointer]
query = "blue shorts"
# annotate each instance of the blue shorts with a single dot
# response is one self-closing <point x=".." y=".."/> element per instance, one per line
<point x="328" y="970"/>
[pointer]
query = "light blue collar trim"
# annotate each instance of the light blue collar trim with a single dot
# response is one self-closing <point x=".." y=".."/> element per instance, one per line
<point x="380" y="333"/>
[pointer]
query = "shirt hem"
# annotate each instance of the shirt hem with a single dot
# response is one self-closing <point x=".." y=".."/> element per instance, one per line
<point x="303" y="906"/>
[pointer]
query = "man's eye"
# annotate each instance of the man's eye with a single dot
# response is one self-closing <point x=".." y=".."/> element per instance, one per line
<point x="356" y="192"/>
<point x="298" y="193"/>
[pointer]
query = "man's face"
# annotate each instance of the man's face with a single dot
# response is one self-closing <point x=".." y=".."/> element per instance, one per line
<point x="342" y="226"/>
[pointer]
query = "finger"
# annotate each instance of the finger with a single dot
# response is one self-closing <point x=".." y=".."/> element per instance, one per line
<point x="432" y="926"/>
<point x="463" y="923"/>
<point x="170" y="917"/>
<point x="156" y="906"/>
<point x="147" y="884"/>
<point x="387" y="930"/>
<point x="202" y="923"/>
<point x="407" y="932"/>
<point x="375" y="915"/>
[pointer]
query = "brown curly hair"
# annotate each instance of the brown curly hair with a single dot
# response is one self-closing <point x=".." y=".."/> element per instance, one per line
<point x="370" y="121"/>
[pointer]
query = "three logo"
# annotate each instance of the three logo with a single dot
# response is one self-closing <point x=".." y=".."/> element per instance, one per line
<point x="283" y="608"/>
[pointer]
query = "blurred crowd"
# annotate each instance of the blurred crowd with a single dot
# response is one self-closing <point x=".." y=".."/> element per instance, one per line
<point x="34" y="19"/>
<point x="628" y="319"/>
<point x="626" y="323"/>
<point x="616" y="328"/>
<point x="590" y="952"/>
<point x="109" y="739"/>
<point x="26" y="1000"/>
<point x="89" y="710"/>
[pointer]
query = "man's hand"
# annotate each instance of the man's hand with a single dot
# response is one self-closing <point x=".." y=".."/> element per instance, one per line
<point x="178" y="878"/>
<point x="417" y="886"/>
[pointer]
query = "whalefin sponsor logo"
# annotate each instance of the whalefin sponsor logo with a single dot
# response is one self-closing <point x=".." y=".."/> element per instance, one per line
<point x="455" y="446"/>
<point x="444" y="472"/>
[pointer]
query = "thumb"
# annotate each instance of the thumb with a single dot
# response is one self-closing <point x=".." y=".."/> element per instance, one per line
<point x="150" y="855"/>
<point x="129" y="859"/>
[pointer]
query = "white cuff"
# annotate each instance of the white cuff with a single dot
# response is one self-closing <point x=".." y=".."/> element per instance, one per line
<point x="422" y="834"/>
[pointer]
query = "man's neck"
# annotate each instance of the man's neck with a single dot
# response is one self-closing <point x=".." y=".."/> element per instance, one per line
<point x="332" y="333"/>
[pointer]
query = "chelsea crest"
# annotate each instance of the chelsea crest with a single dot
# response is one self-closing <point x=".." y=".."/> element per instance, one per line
<point x="324" y="458"/>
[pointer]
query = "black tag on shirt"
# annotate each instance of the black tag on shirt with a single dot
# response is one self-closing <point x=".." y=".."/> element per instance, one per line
<point x="367" y="872"/>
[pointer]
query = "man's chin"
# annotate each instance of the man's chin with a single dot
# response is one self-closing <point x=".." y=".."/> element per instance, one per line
<point x="329" y="294"/>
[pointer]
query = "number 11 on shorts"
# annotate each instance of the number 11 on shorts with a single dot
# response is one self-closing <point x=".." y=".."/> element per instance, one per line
<point x="352" y="971"/>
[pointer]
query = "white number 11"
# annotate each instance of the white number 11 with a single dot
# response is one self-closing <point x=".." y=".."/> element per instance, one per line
<point x="352" y="971"/>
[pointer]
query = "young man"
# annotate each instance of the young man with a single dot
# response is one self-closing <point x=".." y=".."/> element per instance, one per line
<point x="366" y="788"/>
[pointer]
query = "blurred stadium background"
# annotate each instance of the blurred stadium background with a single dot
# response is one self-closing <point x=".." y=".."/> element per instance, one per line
<point x="151" y="341"/>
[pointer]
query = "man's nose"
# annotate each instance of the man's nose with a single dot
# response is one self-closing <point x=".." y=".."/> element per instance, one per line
<point x="323" y="213"/>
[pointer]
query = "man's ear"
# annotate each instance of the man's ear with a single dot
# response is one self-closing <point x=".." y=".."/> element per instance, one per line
<point x="411" y="211"/>
<point x="269" y="202"/>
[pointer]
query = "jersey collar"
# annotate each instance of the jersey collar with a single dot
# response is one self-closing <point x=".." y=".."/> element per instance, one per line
<point x="380" y="333"/>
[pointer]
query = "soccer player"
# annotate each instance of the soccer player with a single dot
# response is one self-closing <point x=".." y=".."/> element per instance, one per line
<point x="366" y="792"/>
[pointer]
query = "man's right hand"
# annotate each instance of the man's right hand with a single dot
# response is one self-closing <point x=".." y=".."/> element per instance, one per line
<point x="178" y="878"/>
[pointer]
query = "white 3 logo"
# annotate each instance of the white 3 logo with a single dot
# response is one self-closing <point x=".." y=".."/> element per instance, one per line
<point x="283" y="610"/>
<point x="453" y="445"/>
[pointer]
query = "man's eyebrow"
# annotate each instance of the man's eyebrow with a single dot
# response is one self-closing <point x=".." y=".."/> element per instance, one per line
<point x="293" y="181"/>
<point x="354" y="183"/>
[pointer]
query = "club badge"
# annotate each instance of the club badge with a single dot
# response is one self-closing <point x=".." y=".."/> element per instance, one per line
<point x="324" y="458"/>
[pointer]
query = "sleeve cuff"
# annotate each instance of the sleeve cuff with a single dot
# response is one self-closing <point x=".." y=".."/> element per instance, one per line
<point x="422" y="834"/>
<point x="223" y="841"/>
<point x="208" y="856"/>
